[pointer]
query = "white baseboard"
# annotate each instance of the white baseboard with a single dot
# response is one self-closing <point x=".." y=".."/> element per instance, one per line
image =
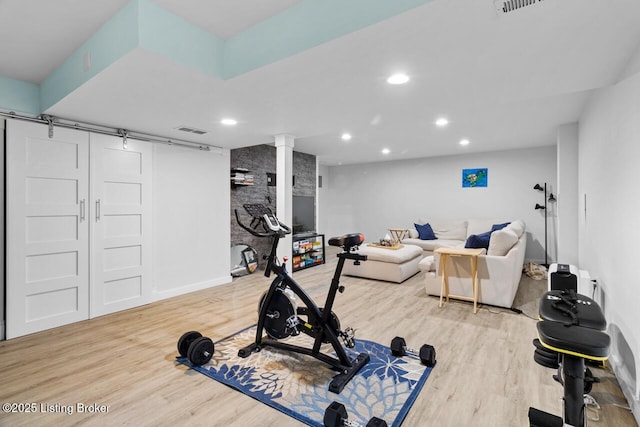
<point x="169" y="293"/>
<point x="2" y="335"/>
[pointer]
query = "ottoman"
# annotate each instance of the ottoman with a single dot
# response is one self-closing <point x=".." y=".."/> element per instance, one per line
<point x="391" y="265"/>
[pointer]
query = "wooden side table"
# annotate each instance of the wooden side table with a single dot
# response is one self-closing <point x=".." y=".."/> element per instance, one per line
<point x="473" y="259"/>
<point x="397" y="234"/>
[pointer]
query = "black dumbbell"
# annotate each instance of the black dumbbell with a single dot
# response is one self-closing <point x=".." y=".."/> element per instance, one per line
<point x="336" y="416"/>
<point x="426" y="354"/>
<point x="196" y="348"/>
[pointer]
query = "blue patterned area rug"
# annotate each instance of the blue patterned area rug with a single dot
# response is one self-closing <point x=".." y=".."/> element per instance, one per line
<point x="298" y="385"/>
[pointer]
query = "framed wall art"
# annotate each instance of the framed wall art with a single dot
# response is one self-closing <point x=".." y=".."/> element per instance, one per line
<point x="474" y="177"/>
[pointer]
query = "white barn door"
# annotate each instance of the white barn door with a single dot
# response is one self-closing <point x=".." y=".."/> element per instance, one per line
<point x="47" y="229"/>
<point x="121" y="231"/>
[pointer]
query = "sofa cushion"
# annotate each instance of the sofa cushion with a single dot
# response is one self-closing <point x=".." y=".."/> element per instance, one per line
<point x="478" y="226"/>
<point x="456" y="230"/>
<point x="496" y="227"/>
<point x="396" y="256"/>
<point x="517" y="227"/>
<point x="425" y="232"/>
<point x="502" y="241"/>
<point x="431" y="245"/>
<point x="478" y="240"/>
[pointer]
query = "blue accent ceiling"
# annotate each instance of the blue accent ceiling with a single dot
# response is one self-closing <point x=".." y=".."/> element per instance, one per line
<point x="303" y="27"/>
<point x="19" y="96"/>
<point x="144" y="24"/>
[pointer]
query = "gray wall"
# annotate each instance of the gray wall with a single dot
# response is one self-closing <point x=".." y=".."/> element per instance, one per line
<point x="261" y="159"/>
<point x="371" y="198"/>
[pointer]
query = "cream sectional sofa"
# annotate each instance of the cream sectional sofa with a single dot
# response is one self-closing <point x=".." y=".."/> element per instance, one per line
<point x="499" y="269"/>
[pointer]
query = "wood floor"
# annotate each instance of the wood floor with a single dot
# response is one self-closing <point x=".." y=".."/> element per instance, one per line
<point x="485" y="375"/>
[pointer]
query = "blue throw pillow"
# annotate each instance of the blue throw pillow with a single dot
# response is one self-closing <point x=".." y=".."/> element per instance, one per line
<point x="478" y="241"/>
<point x="425" y="232"/>
<point x="497" y="227"/>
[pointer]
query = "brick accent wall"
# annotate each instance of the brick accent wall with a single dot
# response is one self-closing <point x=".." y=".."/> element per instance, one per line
<point x="259" y="160"/>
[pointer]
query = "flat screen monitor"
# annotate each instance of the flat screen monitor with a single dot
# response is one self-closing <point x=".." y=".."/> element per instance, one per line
<point x="304" y="214"/>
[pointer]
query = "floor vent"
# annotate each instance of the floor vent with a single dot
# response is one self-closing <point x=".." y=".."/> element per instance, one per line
<point x="192" y="130"/>
<point x="506" y="6"/>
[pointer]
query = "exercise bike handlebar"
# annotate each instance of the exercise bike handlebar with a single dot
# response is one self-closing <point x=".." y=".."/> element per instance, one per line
<point x="281" y="228"/>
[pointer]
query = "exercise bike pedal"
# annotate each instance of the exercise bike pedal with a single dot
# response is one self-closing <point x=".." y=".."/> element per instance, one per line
<point x="348" y="337"/>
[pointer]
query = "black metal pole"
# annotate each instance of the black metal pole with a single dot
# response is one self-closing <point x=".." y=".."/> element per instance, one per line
<point x="546" y="262"/>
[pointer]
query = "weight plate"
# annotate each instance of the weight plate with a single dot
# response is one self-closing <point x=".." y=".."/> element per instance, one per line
<point x="551" y="357"/>
<point x="545" y="361"/>
<point x="542" y="349"/>
<point x="200" y="351"/>
<point x="185" y="340"/>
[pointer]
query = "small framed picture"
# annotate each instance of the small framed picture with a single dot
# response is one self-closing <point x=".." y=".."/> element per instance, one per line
<point x="474" y="177"/>
<point x="250" y="259"/>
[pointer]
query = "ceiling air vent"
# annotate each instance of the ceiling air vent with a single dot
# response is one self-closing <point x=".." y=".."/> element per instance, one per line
<point x="506" y="6"/>
<point x="191" y="130"/>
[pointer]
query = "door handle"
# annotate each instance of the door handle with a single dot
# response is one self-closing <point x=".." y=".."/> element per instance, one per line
<point x="82" y="211"/>
<point x="97" y="210"/>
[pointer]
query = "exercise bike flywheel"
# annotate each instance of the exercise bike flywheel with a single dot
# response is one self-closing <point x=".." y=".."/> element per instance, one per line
<point x="281" y="320"/>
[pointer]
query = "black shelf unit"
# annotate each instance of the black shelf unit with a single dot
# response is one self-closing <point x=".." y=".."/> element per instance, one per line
<point x="307" y="250"/>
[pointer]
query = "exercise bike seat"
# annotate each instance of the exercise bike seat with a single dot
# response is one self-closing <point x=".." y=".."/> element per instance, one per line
<point x="571" y="308"/>
<point x="579" y="341"/>
<point x="347" y="241"/>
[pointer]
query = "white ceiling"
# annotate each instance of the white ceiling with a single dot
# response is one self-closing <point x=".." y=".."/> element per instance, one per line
<point x="504" y="81"/>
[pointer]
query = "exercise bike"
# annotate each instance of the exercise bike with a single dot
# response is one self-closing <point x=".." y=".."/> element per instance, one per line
<point x="280" y="316"/>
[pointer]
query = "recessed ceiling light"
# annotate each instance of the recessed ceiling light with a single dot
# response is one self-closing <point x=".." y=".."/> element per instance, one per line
<point x="464" y="142"/>
<point x="229" y="122"/>
<point x="398" y="79"/>
<point x="385" y="151"/>
<point x="346" y="136"/>
<point x="442" y="122"/>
